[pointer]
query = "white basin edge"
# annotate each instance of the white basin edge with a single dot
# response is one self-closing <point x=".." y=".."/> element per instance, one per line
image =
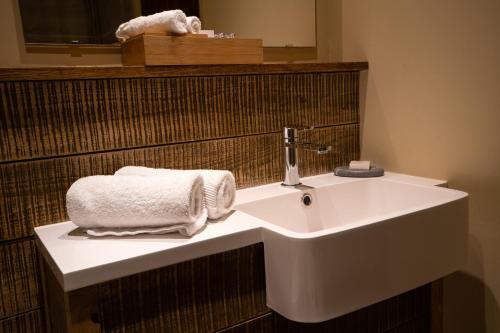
<point x="351" y="226"/>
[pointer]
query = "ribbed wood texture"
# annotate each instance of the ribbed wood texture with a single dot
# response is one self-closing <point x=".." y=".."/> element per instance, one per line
<point x="106" y="72"/>
<point x="261" y="324"/>
<point x="30" y="322"/>
<point x="33" y="193"/>
<point x="19" y="282"/>
<point x="84" y="122"/>
<point x="202" y="295"/>
<point x="52" y="118"/>
<point x="216" y="292"/>
<point x="408" y="312"/>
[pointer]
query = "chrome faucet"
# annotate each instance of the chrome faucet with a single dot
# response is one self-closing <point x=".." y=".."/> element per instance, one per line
<point x="291" y="142"/>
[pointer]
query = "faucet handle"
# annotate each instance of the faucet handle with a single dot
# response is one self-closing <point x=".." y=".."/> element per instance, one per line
<point x="292" y="132"/>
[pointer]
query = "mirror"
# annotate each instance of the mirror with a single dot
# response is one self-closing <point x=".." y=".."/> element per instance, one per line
<point x="278" y="23"/>
<point x="87" y="21"/>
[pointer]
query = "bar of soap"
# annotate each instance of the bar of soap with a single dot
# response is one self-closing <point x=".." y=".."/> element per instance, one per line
<point x="360" y="165"/>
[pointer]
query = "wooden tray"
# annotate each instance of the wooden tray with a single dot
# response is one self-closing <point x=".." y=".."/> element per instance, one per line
<point x="152" y="49"/>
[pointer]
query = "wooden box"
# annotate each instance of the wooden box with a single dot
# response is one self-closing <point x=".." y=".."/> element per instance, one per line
<point x="151" y="50"/>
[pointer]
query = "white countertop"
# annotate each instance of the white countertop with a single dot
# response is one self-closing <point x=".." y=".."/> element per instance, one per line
<point x="79" y="260"/>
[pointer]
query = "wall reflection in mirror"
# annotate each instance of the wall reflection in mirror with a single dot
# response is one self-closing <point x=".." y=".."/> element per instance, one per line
<point x="278" y="22"/>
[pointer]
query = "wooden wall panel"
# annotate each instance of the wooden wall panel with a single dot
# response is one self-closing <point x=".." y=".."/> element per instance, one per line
<point x="201" y="295"/>
<point x="143" y="72"/>
<point x="52" y="118"/>
<point x="408" y="312"/>
<point x="19" y="283"/>
<point x="62" y="124"/>
<point x="65" y="312"/>
<point x="29" y="322"/>
<point x="418" y="325"/>
<point x="260" y="324"/>
<point x="33" y="193"/>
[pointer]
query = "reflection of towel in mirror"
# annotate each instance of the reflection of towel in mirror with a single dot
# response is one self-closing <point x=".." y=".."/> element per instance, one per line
<point x="193" y="24"/>
<point x="131" y="204"/>
<point x="173" y="21"/>
<point x="220" y="186"/>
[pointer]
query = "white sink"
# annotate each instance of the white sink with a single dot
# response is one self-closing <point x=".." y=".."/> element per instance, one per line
<point x="359" y="242"/>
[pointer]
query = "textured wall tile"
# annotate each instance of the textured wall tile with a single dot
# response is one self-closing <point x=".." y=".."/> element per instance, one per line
<point x="20" y="288"/>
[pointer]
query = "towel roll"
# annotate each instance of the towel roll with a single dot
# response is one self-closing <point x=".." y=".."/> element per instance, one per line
<point x="220" y="186"/>
<point x="173" y="21"/>
<point x="193" y="24"/>
<point x="137" y="202"/>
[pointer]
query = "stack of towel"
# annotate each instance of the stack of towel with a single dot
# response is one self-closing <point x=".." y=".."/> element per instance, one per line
<point x="140" y="200"/>
<point x="169" y="21"/>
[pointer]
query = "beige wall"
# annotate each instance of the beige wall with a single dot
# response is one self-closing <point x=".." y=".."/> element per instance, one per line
<point x="9" y="57"/>
<point x="277" y="23"/>
<point x="329" y="30"/>
<point x="432" y="108"/>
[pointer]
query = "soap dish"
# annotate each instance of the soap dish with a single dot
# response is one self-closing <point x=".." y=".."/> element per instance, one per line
<point x="344" y="171"/>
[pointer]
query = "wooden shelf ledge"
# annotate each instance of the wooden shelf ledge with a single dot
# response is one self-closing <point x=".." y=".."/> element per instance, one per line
<point x="105" y="72"/>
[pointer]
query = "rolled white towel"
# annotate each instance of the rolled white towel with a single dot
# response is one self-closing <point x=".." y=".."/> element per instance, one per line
<point x="138" y="204"/>
<point x="193" y="24"/>
<point x="173" y="21"/>
<point x="220" y="186"/>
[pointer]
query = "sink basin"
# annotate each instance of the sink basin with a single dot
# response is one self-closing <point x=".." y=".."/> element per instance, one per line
<point x="345" y="205"/>
<point x="357" y="243"/>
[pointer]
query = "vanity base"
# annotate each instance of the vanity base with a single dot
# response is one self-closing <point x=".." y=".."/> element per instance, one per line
<point x="229" y="297"/>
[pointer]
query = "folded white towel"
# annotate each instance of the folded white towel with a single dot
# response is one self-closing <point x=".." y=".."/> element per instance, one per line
<point x="220" y="187"/>
<point x="173" y="21"/>
<point x="138" y="202"/>
<point x="185" y="229"/>
<point x="193" y="24"/>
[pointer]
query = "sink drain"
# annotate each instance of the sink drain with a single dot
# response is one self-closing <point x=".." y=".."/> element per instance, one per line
<point x="307" y="199"/>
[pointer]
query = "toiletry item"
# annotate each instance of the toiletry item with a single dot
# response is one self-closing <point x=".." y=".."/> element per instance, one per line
<point x="137" y="202"/>
<point x="193" y="24"/>
<point x="209" y="33"/>
<point x="173" y="21"/>
<point x="360" y="165"/>
<point x="220" y="186"/>
<point x="345" y="171"/>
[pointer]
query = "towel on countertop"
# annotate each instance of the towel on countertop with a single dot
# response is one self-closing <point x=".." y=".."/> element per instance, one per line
<point x="122" y="205"/>
<point x="220" y="186"/>
<point x="173" y="21"/>
<point x="185" y="229"/>
<point x="193" y="24"/>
